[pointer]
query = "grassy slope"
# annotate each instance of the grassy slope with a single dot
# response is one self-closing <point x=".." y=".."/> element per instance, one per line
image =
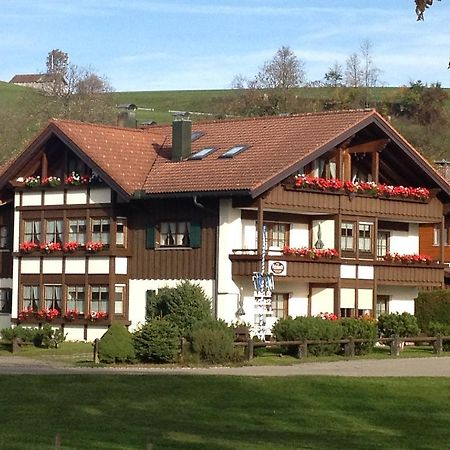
<point x="126" y="412"/>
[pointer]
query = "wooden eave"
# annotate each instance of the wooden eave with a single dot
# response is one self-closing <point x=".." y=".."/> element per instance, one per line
<point x="35" y="147"/>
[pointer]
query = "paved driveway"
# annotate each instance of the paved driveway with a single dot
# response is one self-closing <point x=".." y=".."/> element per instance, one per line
<point x="401" y="367"/>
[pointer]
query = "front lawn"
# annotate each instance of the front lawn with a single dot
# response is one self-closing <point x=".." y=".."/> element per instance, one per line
<point x="212" y="412"/>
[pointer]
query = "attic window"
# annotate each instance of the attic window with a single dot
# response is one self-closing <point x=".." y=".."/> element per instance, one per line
<point x="196" y="135"/>
<point x="202" y="153"/>
<point x="233" y="151"/>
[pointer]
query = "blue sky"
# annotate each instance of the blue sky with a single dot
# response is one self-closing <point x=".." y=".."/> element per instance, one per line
<point x="179" y="44"/>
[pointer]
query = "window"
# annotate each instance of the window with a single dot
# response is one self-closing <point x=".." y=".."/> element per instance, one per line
<point x="52" y="297"/>
<point x="277" y="235"/>
<point x="233" y="151"/>
<point x="75" y="298"/>
<point x="3" y="237"/>
<point x="203" y="153"/>
<point x="119" y="297"/>
<point x="99" y="298"/>
<point x="31" y="297"/>
<point x="347" y="241"/>
<point x="77" y="231"/>
<point x="54" y="231"/>
<point x="365" y="237"/>
<point x="101" y="230"/>
<point x="174" y="234"/>
<point x="382" y="305"/>
<point x="437" y="235"/>
<point x="346" y="312"/>
<point x="280" y="305"/>
<point x="5" y="301"/>
<point x="32" y="231"/>
<point x="121" y="228"/>
<point x="383" y="243"/>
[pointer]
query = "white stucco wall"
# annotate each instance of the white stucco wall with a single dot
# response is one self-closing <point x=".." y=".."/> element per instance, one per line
<point x="322" y="300"/>
<point x="327" y="229"/>
<point x="299" y="235"/>
<point x="401" y="297"/>
<point x="404" y="242"/>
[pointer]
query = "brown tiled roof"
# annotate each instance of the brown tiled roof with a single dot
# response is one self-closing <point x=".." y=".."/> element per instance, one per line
<point x="31" y="78"/>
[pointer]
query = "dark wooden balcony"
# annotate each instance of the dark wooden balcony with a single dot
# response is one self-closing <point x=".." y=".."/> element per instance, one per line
<point x="289" y="198"/>
<point x="421" y="275"/>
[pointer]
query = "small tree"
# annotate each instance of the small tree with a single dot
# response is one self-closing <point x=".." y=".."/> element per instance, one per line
<point x="116" y="345"/>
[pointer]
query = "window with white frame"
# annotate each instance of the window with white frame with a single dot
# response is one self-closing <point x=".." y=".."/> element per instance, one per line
<point x="4" y="236"/>
<point x="101" y="230"/>
<point x="32" y="231"/>
<point x="75" y="298"/>
<point x="437" y="235"/>
<point x="99" y="298"/>
<point x="121" y="231"/>
<point x="382" y="305"/>
<point x="383" y="243"/>
<point x="30" y="297"/>
<point x="174" y="234"/>
<point x="277" y="235"/>
<point x="52" y="297"/>
<point x="54" y="231"/>
<point x="77" y="231"/>
<point x="347" y="236"/>
<point x="365" y="237"/>
<point x="280" y="305"/>
<point x="119" y="297"/>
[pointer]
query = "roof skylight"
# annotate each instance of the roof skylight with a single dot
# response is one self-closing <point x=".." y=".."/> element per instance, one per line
<point x="233" y="151"/>
<point x="196" y="135"/>
<point x="202" y="153"/>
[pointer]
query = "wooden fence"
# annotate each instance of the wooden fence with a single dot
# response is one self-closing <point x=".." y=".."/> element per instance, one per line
<point x="396" y="344"/>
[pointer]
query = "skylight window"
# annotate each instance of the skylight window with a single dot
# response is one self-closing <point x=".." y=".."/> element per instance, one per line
<point x="202" y="153"/>
<point x="233" y="151"/>
<point x="196" y="135"/>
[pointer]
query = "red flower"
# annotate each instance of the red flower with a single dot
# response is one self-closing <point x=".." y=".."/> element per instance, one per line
<point x="49" y="247"/>
<point x="28" y="246"/>
<point x="93" y="246"/>
<point x="70" y="246"/>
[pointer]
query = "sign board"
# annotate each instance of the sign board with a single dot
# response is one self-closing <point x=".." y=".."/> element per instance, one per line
<point x="278" y="268"/>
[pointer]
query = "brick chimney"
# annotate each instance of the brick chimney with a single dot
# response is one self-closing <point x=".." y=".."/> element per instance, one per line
<point x="181" y="138"/>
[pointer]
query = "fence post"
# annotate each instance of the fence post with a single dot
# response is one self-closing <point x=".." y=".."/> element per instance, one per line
<point x="438" y="345"/>
<point x="395" y="346"/>
<point x="15" y="344"/>
<point x="58" y="442"/>
<point x="96" y="358"/>
<point x="302" y="351"/>
<point x="349" y="348"/>
<point x="250" y="345"/>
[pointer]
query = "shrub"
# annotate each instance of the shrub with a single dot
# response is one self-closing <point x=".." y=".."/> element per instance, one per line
<point x="402" y="325"/>
<point x="436" y="328"/>
<point x="116" y="345"/>
<point x="25" y="334"/>
<point x="158" y="340"/>
<point x="360" y="329"/>
<point x="432" y="306"/>
<point x="213" y="341"/>
<point x="48" y="337"/>
<point x="311" y="328"/>
<point x="184" y="306"/>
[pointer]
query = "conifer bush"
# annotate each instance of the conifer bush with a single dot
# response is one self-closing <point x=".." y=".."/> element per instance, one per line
<point x="116" y="345"/>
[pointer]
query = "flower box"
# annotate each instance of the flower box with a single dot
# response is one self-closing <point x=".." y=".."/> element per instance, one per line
<point x="48" y="314"/>
<point x="93" y="247"/>
<point x="28" y="246"/>
<point x="311" y="253"/>
<point x="408" y="259"/>
<point x="50" y="247"/>
<point x="75" y="179"/>
<point x="32" y="182"/>
<point x="51" y="181"/>
<point x="97" y="315"/>
<point x="70" y="247"/>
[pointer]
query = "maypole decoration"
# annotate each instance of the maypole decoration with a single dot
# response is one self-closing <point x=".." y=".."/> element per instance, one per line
<point x="263" y="285"/>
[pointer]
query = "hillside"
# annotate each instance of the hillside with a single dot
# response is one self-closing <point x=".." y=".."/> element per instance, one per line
<point x="23" y="111"/>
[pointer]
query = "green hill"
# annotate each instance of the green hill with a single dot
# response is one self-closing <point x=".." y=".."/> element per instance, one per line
<point x="23" y="111"/>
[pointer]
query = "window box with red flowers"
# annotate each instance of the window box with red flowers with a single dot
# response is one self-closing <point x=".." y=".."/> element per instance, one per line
<point x="361" y="188"/>
<point x="26" y="315"/>
<point x="28" y="247"/>
<point x="51" y="181"/>
<point x="72" y="314"/>
<point x="48" y="314"/>
<point x="70" y="247"/>
<point x="311" y="253"/>
<point x="95" y="316"/>
<point x="327" y="316"/>
<point x="93" y="247"/>
<point x="50" y="247"/>
<point x="408" y="259"/>
<point x="75" y="179"/>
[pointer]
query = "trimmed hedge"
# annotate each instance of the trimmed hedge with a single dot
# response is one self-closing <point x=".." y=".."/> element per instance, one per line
<point x="360" y="329"/>
<point x="116" y="345"/>
<point x="432" y="306"/>
<point x="402" y="325"/>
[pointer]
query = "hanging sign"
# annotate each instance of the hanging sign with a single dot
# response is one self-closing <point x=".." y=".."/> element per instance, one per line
<point x="278" y="268"/>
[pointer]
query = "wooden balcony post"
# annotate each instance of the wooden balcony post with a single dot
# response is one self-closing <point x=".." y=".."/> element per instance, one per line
<point x="441" y="243"/>
<point x="260" y="225"/>
<point x="375" y="166"/>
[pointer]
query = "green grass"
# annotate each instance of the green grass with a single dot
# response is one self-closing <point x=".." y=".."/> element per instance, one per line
<point x="187" y="412"/>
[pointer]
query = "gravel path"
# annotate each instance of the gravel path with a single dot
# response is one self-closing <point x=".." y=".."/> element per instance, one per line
<point x="411" y="367"/>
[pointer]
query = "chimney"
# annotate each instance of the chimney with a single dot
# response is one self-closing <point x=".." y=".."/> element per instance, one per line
<point x="181" y="138"/>
<point x="126" y="117"/>
<point x="443" y="168"/>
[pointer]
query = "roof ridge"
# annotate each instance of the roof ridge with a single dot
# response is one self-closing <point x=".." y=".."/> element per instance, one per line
<point x="98" y="125"/>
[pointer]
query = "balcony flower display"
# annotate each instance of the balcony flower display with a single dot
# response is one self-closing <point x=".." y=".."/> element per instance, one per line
<point x="50" y="247"/>
<point x="47" y="314"/>
<point x="51" y="181"/>
<point x="93" y="247"/>
<point x="311" y="253"/>
<point x="75" y="179"/>
<point x="97" y="315"/>
<point x="28" y="246"/>
<point x="70" y="247"/>
<point x="408" y="259"/>
<point x="32" y="182"/>
<point x="71" y="314"/>
<point x="26" y="314"/>
<point x="364" y="187"/>
<point x="327" y="316"/>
